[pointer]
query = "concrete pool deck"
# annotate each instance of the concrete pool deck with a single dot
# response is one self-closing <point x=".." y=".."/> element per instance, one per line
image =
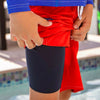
<point x="13" y="59"/>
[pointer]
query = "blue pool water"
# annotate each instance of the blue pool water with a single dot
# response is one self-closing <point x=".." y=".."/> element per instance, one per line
<point x="91" y="82"/>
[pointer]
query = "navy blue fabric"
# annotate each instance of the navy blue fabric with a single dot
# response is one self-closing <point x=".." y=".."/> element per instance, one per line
<point x="23" y="5"/>
<point x="45" y="67"/>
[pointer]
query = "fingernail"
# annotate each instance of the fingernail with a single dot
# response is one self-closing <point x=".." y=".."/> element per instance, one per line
<point x="71" y="37"/>
<point x="50" y="23"/>
<point x="15" y="38"/>
<point x="75" y="26"/>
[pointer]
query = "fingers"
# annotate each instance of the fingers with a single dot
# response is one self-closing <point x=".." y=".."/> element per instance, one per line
<point x="79" y="38"/>
<point x="20" y="43"/>
<point x="76" y="36"/>
<point x="36" y="38"/>
<point x="44" y="22"/>
<point x="78" y="22"/>
<point x="85" y="27"/>
<point x="39" y="42"/>
<point x="30" y="44"/>
<point x="13" y="38"/>
<point x="27" y="32"/>
<point x="79" y="34"/>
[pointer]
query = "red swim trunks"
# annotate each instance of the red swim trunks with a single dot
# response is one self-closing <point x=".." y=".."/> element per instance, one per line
<point x="58" y="34"/>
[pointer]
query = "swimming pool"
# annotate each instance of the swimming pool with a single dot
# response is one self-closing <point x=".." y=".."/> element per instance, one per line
<point x="19" y="89"/>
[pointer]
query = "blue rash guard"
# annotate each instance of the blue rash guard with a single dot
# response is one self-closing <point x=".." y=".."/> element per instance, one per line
<point x="23" y="5"/>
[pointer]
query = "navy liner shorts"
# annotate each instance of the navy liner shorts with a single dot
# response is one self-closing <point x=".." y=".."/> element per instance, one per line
<point x="45" y="66"/>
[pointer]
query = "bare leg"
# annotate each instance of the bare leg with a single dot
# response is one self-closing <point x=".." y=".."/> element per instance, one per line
<point x="65" y="95"/>
<point x="34" y="95"/>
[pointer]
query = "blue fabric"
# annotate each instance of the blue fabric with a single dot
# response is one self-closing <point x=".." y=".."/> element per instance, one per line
<point x="90" y="2"/>
<point x="17" y="6"/>
<point x="23" y="5"/>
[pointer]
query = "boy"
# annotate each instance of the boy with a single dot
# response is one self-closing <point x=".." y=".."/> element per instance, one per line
<point x="51" y="54"/>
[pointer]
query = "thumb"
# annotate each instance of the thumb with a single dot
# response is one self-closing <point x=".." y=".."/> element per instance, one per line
<point x="77" y="23"/>
<point x="44" y="22"/>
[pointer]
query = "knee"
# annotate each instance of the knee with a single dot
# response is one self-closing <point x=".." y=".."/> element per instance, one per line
<point x="65" y="95"/>
<point x="36" y="95"/>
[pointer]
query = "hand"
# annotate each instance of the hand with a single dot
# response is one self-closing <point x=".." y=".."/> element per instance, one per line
<point x="78" y="34"/>
<point x="24" y="28"/>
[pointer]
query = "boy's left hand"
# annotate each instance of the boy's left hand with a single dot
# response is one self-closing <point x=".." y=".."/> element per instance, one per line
<point x="78" y="34"/>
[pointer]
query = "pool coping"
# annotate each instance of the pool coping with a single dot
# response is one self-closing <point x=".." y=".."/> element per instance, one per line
<point x="82" y="55"/>
<point x="25" y="67"/>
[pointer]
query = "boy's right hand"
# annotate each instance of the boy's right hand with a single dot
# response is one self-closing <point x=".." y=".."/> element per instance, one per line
<point x="24" y="26"/>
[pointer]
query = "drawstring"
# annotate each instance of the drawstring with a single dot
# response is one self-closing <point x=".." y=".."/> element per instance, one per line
<point x="80" y="11"/>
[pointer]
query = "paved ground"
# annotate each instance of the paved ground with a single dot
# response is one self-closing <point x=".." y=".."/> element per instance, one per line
<point x="14" y="57"/>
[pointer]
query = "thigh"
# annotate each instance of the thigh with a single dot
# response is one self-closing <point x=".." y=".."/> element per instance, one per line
<point x="45" y="67"/>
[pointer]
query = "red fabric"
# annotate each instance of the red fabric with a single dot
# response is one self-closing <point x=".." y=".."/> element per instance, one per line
<point x="71" y="75"/>
<point x="59" y="35"/>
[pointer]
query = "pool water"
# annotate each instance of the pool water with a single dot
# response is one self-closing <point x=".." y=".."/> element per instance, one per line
<point x="91" y="82"/>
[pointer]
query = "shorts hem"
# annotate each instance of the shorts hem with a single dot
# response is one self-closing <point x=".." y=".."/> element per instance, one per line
<point x="43" y="92"/>
<point x="74" y="90"/>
